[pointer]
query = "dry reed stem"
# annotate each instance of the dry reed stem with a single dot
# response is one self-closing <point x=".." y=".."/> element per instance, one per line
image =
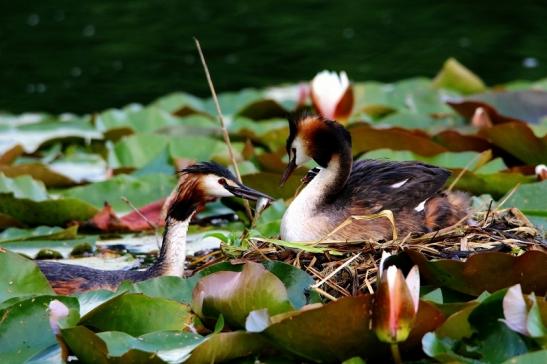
<point x="222" y="124"/>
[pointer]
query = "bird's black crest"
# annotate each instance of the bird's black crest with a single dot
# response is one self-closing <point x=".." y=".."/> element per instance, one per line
<point x="294" y="122"/>
<point x="208" y="168"/>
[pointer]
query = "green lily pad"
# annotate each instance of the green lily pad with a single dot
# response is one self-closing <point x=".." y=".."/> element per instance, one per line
<point x="32" y="136"/>
<point x="224" y="346"/>
<point x="138" y="150"/>
<point x="172" y="288"/>
<point x="39" y="233"/>
<point x="20" y="277"/>
<point x="530" y="199"/>
<point x="140" y="191"/>
<point x="137" y="314"/>
<point x="25" y="329"/>
<point x="456" y="76"/>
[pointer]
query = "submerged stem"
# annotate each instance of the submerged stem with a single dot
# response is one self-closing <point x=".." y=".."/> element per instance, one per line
<point x="396" y="353"/>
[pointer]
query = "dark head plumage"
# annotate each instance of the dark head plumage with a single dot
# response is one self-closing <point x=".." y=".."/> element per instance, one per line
<point x="208" y="168"/>
<point x="324" y="137"/>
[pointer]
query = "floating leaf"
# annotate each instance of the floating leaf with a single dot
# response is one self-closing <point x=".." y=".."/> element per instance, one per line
<point x="32" y="136"/>
<point x="503" y="107"/>
<point x="496" y="184"/>
<point x="366" y="138"/>
<point x="172" y="288"/>
<point x="25" y="329"/>
<point x="139" y="149"/>
<point x="537" y="357"/>
<point x="530" y="199"/>
<point x="140" y="191"/>
<point x="20" y="277"/>
<point x="519" y="140"/>
<point x="236" y="294"/>
<point x="329" y="334"/>
<point x="38" y="172"/>
<point x="224" y="346"/>
<point x="456" y="76"/>
<point x="489" y="271"/>
<point x="137" y="314"/>
<point x="446" y="160"/>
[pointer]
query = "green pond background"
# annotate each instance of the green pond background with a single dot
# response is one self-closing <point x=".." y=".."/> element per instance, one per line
<point x="62" y="55"/>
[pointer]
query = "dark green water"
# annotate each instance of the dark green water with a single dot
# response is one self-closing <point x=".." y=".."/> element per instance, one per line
<point x="84" y="56"/>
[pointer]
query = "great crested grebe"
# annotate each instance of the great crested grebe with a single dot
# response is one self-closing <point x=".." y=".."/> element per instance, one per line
<point x="199" y="183"/>
<point x="340" y="189"/>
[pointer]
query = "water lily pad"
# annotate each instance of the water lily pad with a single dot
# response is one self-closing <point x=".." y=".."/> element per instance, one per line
<point x="519" y="140"/>
<point x="530" y="199"/>
<point x="456" y="76"/>
<point x="137" y="314"/>
<point x="329" y="334"/>
<point x="25" y="329"/>
<point x="38" y="172"/>
<point x="489" y="271"/>
<point x="32" y="136"/>
<point x="224" y="346"/>
<point x="366" y="138"/>
<point x="505" y="106"/>
<point x="236" y="294"/>
<point x="20" y="277"/>
<point x="139" y="190"/>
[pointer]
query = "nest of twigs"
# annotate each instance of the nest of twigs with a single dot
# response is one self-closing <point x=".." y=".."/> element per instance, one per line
<point x="346" y="269"/>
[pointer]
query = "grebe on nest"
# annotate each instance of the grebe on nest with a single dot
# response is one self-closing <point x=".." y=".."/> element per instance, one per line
<point x="340" y="189"/>
<point x="199" y="184"/>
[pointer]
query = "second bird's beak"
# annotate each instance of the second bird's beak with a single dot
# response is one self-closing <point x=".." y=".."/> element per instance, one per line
<point x="247" y="193"/>
<point x="289" y="170"/>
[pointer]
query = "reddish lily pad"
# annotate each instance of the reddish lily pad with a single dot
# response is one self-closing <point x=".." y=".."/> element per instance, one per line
<point x="366" y="138"/>
<point x="455" y="141"/>
<point x="519" y="140"/>
<point x="489" y="271"/>
<point x="329" y="334"/>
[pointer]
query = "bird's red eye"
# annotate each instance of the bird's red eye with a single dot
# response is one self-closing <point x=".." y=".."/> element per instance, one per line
<point x="222" y="181"/>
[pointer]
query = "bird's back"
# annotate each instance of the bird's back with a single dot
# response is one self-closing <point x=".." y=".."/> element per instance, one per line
<point x="405" y="188"/>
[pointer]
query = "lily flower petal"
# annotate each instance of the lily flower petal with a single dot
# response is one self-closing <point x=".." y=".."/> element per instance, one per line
<point x="332" y="95"/>
<point x="57" y="311"/>
<point x="515" y="310"/>
<point x="395" y="306"/>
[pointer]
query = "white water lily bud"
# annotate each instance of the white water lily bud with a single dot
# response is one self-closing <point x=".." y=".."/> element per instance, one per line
<point x="396" y="303"/>
<point x="332" y="95"/>
<point x="541" y="172"/>
<point x="57" y="311"/>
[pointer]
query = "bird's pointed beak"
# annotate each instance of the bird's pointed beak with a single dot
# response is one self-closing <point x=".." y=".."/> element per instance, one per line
<point x="247" y="193"/>
<point x="289" y="170"/>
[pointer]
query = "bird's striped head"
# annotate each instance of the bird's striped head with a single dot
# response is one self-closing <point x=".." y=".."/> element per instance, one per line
<point x="314" y="137"/>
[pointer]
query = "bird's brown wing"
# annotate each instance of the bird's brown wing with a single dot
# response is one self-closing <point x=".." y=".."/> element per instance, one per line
<point x="379" y="184"/>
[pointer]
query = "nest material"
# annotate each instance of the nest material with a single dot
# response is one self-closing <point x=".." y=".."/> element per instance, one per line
<point x="346" y="269"/>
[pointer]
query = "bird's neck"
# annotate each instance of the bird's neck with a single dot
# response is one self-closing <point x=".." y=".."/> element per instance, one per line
<point x="173" y="249"/>
<point x="333" y="178"/>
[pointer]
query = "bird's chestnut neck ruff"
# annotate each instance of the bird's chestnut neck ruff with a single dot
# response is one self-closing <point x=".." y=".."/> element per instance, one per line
<point x="189" y="197"/>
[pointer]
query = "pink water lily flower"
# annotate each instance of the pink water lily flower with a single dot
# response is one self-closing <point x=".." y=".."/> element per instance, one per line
<point x="396" y="303"/>
<point x="332" y="95"/>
